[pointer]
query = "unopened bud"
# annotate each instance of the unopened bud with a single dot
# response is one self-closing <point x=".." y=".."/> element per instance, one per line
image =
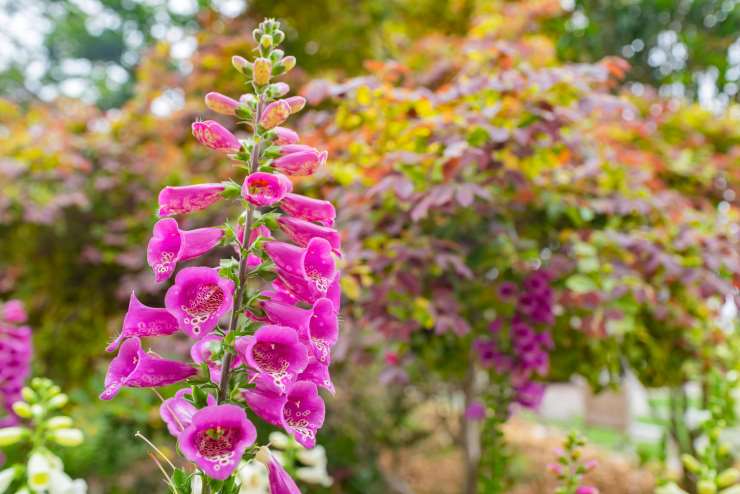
<point x="241" y="64"/>
<point x="256" y="35"/>
<point x="220" y="103"/>
<point x="288" y="62"/>
<point x="279" y="36"/>
<point x="59" y="401"/>
<point x="690" y="463"/>
<point x="706" y="487"/>
<point x="728" y="477"/>
<point x="266" y="41"/>
<point x="59" y="422"/>
<point x="279" y="89"/>
<point x="275" y="113"/>
<point x="12" y="435"/>
<point x="22" y="409"/>
<point x="262" y="71"/>
<point x="28" y="394"/>
<point x="68" y="437"/>
<point x="296" y="103"/>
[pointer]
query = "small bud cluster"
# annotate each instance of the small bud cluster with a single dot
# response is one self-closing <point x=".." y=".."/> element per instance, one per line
<point x="40" y="429"/>
<point x="571" y="467"/>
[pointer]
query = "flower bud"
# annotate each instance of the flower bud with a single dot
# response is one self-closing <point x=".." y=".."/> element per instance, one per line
<point x="735" y="489"/>
<point x="22" y="409"/>
<point x="690" y="463"/>
<point x="275" y="113"/>
<point x="59" y="422"/>
<point x="706" y="487"/>
<point x="12" y="435"/>
<point x="296" y="103"/>
<point x="242" y="65"/>
<point x="587" y="489"/>
<point x="279" y="89"/>
<point x="28" y="394"/>
<point x="221" y="103"/>
<point x="257" y="34"/>
<point x="37" y="410"/>
<point x="288" y="62"/>
<point x="68" y="437"/>
<point x="262" y="71"/>
<point x="266" y="41"/>
<point x="59" y="401"/>
<point x="728" y="477"/>
<point x="278" y="37"/>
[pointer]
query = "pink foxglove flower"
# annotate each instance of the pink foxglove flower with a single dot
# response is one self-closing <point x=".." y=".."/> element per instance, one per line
<point x="135" y="368"/>
<point x="323" y="330"/>
<point x="587" y="489"/>
<point x="285" y="136"/>
<point x="300" y="412"/>
<point x="216" y="439"/>
<point x="276" y="352"/>
<point x="265" y="189"/>
<point x="142" y="320"/>
<point x="313" y="263"/>
<point x="309" y="209"/>
<point x="279" y="480"/>
<point x="318" y="373"/>
<point x="14" y="312"/>
<point x="15" y="355"/>
<point x="221" y="103"/>
<point x="177" y="412"/>
<point x="188" y="198"/>
<point x="274" y="114"/>
<point x="301" y="163"/>
<point x="302" y="231"/>
<point x="215" y="136"/>
<point x="202" y="351"/>
<point x="169" y="245"/>
<point x="285" y="313"/>
<point x="198" y="299"/>
<point x="287" y="149"/>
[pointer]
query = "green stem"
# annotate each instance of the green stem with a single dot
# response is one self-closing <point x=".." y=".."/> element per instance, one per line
<point x="224" y="385"/>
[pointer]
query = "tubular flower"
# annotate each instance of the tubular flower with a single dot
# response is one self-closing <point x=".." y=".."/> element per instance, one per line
<point x="221" y="103"/>
<point x="285" y="136"/>
<point x="279" y="480"/>
<point x="318" y="373"/>
<point x="276" y="352"/>
<point x="265" y="189"/>
<point x="302" y="231"/>
<point x="188" y="198"/>
<point x="169" y="245"/>
<point x="295" y="103"/>
<point x="215" y="136"/>
<point x="198" y="299"/>
<point x="323" y="330"/>
<point x="309" y="209"/>
<point x="134" y="368"/>
<point x="275" y="113"/>
<point x="142" y="320"/>
<point x="313" y="264"/>
<point x="300" y="411"/>
<point x="301" y="163"/>
<point x="216" y="439"/>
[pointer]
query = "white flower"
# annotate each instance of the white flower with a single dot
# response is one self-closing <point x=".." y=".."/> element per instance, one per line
<point x="314" y="475"/>
<point x="252" y="478"/>
<point x="196" y="485"/>
<point x="315" y="457"/>
<point x="6" y="477"/>
<point x="39" y="470"/>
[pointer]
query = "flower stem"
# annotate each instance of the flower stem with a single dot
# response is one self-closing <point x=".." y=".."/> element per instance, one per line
<point x="224" y="385"/>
